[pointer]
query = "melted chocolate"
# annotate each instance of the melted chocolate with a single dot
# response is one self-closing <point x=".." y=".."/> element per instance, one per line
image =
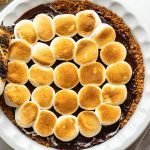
<point x="107" y="131"/>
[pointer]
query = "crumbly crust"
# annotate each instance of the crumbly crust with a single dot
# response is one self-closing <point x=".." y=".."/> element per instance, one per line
<point x="68" y="6"/>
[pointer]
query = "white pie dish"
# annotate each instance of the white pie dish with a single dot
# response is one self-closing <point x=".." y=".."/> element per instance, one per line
<point x="139" y="120"/>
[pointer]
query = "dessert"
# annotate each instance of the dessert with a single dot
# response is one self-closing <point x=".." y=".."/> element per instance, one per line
<point x="15" y="94"/>
<point x="45" y="123"/>
<point x="119" y="73"/>
<point x="42" y="54"/>
<point x="66" y="75"/>
<point x="92" y="73"/>
<point x="19" y="50"/>
<point x="113" y="52"/>
<point x="86" y="28"/>
<point x="17" y="72"/>
<point x="103" y="35"/>
<point x="89" y="124"/>
<point x="86" y="51"/>
<point x="89" y="97"/>
<point x="26" y="114"/>
<point x="39" y="75"/>
<point x="65" y="25"/>
<point x="63" y="48"/>
<point x="43" y="96"/>
<point x="114" y="94"/>
<point x="44" y="26"/>
<point x="108" y="114"/>
<point x="66" y="128"/>
<point x="25" y="30"/>
<point x="96" y="90"/>
<point x="66" y="102"/>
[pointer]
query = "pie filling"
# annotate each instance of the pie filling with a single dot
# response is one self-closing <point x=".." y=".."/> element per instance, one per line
<point x="83" y="68"/>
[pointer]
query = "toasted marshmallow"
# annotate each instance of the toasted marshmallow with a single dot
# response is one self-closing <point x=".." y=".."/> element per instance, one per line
<point x="66" y="128"/>
<point x="113" y="52"/>
<point x="15" y="94"/>
<point x="26" y="115"/>
<point x="86" y="51"/>
<point x="119" y="73"/>
<point x="45" y="123"/>
<point x="66" y="75"/>
<point x="2" y="85"/>
<point x="89" y="124"/>
<point x="63" y="47"/>
<point x="104" y="34"/>
<point x="39" y="75"/>
<point x="114" y="94"/>
<point x="42" y="54"/>
<point x="66" y="102"/>
<point x="26" y="31"/>
<point x="86" y="22"/>
<point x="65" y="25"/>
<point x="44" y="26"/>
<point x="43" y="96"/>
<point x="93" y="73"/>
<point x="17" y="72"/>
<point x="89" y="97"/>
<point x="19" y="50"/>
<point x="108" y="114"/>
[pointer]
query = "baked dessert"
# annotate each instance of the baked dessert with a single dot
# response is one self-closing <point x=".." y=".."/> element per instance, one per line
<point x="80" y="75"/>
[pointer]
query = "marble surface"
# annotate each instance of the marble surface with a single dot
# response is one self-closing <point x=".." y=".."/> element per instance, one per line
<point x="142" y="143"/>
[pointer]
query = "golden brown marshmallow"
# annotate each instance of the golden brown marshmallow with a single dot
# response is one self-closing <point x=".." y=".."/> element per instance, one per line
<point x="44" y="26"/>
<point x="66" y="102"/>
<point x="93" y="73"/>
<point x="19" y="50"/>
<point x="119" y="73"/>
<point x="89" y="97"/>
<point x="15" y="95"/>
<point x="86" y="51"/>
<point x="66" y="75"/>
<point x="89" y="124"/>
<point x="45" y="123"/>
<point x="65" y="25"/>
<point x="17" y="72"/>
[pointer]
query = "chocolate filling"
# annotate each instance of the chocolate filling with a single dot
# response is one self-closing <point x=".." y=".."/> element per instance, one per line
<point x="134" y="87"/>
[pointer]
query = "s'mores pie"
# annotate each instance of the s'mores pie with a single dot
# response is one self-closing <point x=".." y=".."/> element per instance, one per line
<point x="42" y="54"/>
<point x="45" y="123"/>
<point x="89" y="97"/>
<point x="66" y="102"/>
<point x="66" y="75"/>
<point x="66" y="128"/>
<point x="39" y="75"/>
<point x="63" y="48"/>
<point x="108" y="114"/>
<point x="89" y="123"/>
<point x="26" y="114"/>
<point x="25" y="30"/>
<point x="119" y="73"/>
<point x="44" y="26"/>
<point x="114" y="94"/>
<point x="103" y="35"/>
<point x="43" y="96"/>
<point x="93" y="73"/>
<point x="15" y="95"/>
<point x="65" y="25"/>
<point x="17" y="72"/>
<point x="19" y="50"/>
<point x="86" y="22"/>
<point x="86" y="51"/>
<point x="113" y="52"/>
